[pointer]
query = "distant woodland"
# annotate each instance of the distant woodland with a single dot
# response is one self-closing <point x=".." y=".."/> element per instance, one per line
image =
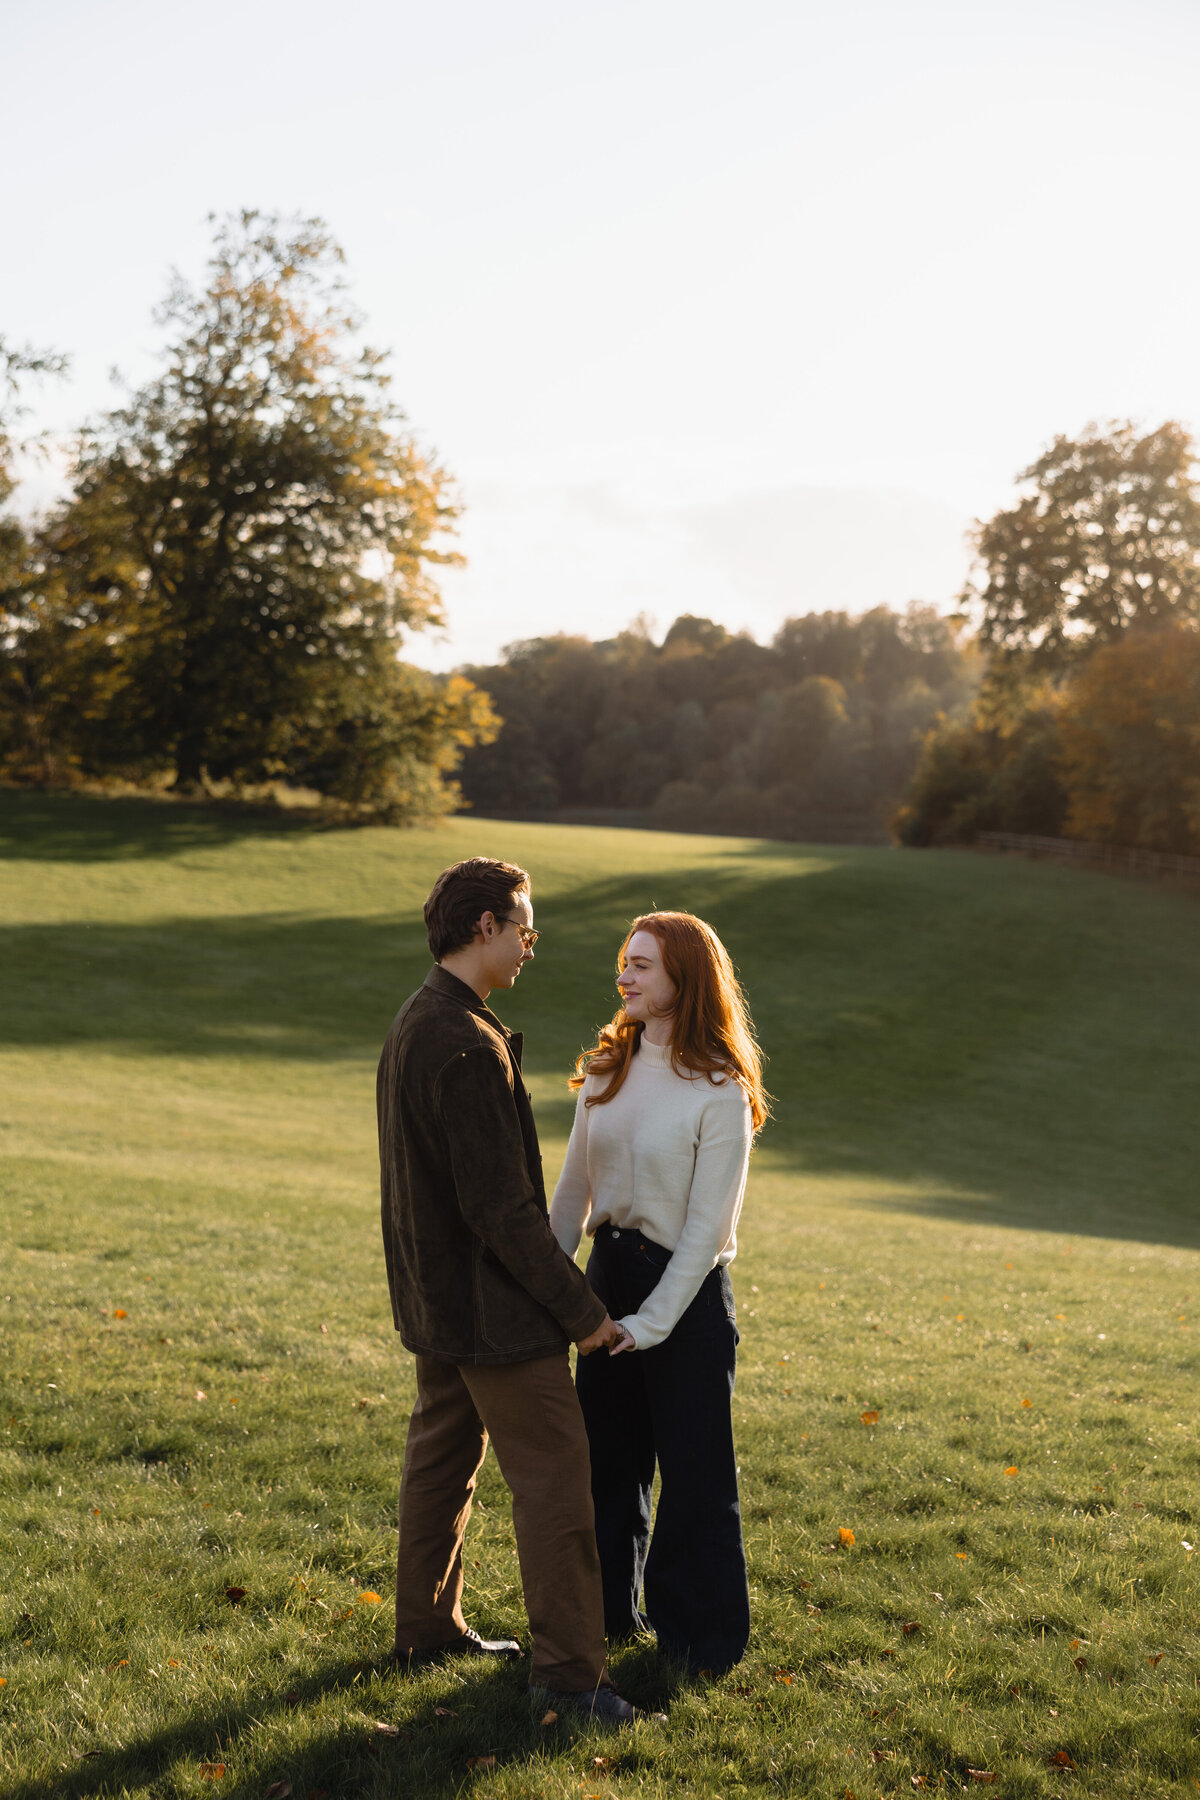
<point x="816" y="734"/>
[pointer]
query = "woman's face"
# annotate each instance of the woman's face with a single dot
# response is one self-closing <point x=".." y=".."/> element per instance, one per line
<point x="644" y="985"/>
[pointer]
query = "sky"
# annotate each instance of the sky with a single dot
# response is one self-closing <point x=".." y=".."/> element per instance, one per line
<point x="740" y="311"/>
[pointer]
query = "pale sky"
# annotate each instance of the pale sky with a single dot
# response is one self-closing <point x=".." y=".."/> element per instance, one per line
<point x="738" y="310"/>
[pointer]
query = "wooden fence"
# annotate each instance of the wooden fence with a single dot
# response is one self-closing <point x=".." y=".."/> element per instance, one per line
<point x="1116" y="857"/>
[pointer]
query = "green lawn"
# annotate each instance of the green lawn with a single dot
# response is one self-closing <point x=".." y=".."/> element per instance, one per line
<point x="974" y="1213"/>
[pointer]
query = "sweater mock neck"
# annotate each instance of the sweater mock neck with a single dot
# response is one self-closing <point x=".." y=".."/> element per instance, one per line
<point x="653" y="1056"/>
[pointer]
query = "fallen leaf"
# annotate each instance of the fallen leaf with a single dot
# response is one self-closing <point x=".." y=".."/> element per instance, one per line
<point x="1015" y="1690"/>
<point x="1027" y="1403"/>
<point x="383" y="1729"/>
<point x="918" y="1781"/>
<point x="212" y="1771"/>
<point x="1081" y="1663"/>
<point x="1012" y="1469"/>
<point x="1062" y="1759"/>
<point x="171" y="1663"/>
<point x="913" y="1625"/>
<point x="982" y="1775"/>
<point x="785" y="1676"/>
<point x="369" y="1598"/>
<point x="845" y="1535"/>
<point x="3" y="1680"/>
<point x="200" y="1394"/>
<point x="120" y="1313"/>
<point x="324" y="1331"/>
<point x="487" y="1761"/>
<point x="871" y="1417"/>
<point x="444" y="1712"/>
<point x="279" y="1790"/>
<point x="959" y="1318"/>
<point x="1076" y="1643"/>
<point x="1155" y="1660"/>
<point x="602" y="1762"/>
<point x="549" y="1718"/>
<point x="961" y="1556"/>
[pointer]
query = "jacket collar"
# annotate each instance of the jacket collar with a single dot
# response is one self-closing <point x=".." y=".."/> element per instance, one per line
<point x="451" y="988"/>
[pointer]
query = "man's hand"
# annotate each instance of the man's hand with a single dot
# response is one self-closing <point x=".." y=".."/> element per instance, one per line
<point x="606" y="1334"/>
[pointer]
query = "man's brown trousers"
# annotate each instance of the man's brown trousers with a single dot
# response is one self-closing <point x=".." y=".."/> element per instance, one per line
<point x="530" y="1412"/>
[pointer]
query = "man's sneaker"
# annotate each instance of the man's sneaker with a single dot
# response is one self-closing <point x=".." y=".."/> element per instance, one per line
<point x="469" y="1644"/>
<point x="601" y="1706"/>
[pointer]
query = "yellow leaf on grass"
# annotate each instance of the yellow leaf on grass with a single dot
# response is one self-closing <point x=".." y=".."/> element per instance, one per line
<point x="212" y="1771"/>
<point x="870" y="1417"/>
<point x="983" y="1775"/>
<point x="549" y="1718"/>
<point x="369" y="1598"/>
<point x="845" y="1535"/>
<point x="120" y="1313"/>
<point x="1012" y="1469"/>
<point x="1027" y="1403"/>
<point x="1154" y="1661"/>
<point x="960" y="1556"/>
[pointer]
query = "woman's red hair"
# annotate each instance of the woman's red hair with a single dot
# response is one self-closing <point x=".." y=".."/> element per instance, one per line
<point x="711" y="1033"/>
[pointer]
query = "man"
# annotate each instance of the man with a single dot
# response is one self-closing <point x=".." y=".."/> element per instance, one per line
<point x="488" y="1303"/>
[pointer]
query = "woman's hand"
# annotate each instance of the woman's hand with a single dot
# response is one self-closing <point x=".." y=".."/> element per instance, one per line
<point x="626" y="1341"/>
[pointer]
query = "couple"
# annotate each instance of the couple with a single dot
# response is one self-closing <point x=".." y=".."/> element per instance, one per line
<point x="486" y="1294"/>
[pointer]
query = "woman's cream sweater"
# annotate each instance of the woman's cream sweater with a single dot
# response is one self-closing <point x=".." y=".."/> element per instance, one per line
<point x="666" y="1156"/>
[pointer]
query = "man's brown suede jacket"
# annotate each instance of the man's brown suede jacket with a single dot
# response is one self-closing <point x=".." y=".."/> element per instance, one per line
<point x="475" y="1273"/>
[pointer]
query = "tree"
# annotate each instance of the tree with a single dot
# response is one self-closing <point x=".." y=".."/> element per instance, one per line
<point x="248" y="538"/>
<point x="34" y="648"/>
<point x="1130" y="732"/>
<point x="1108" y="537"/>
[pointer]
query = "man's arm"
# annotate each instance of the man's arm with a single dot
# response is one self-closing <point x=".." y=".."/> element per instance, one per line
<point x="478" y="1113"/>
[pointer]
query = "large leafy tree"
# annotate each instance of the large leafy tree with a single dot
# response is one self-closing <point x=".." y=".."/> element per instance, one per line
<point x="1130" y="735"/>
<point x="250" y="535"/>
<point x="1106" y="537"/>
<point x="32" y="649"/>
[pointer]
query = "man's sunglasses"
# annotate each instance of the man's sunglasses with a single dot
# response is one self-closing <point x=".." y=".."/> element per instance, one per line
<point x="529" y="936"/>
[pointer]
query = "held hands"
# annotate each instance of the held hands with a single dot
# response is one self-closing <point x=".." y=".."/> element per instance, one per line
<point x="606" y="1336"/>
<point x="627" y="1341"/>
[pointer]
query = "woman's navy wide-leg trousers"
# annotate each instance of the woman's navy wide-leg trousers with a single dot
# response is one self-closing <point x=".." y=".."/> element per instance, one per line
<point x="669" y="1405"/>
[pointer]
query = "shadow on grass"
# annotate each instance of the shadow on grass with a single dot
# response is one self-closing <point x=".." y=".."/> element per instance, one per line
<point x="402" y="1743"/>
<point x="1017" y="1040"/>
<point x="86" y="828"/>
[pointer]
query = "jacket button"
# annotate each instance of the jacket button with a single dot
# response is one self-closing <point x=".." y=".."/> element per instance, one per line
<point x="616" y="1233"/>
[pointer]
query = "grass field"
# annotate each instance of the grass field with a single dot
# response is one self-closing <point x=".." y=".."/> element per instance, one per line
<point x="974" y="1214"/>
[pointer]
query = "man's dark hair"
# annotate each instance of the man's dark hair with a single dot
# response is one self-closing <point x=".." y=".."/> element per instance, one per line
<point x="461" y="894"/>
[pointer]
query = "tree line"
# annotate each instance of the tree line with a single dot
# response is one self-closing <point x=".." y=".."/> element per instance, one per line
<point x="815" y="734"/>
<point x="219" y="601"/>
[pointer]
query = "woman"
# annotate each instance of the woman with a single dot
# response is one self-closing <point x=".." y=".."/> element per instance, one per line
<point x="670" y="1099"/>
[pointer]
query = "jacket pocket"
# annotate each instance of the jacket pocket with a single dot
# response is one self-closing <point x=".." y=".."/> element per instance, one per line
<point x="508" y="1318"/>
